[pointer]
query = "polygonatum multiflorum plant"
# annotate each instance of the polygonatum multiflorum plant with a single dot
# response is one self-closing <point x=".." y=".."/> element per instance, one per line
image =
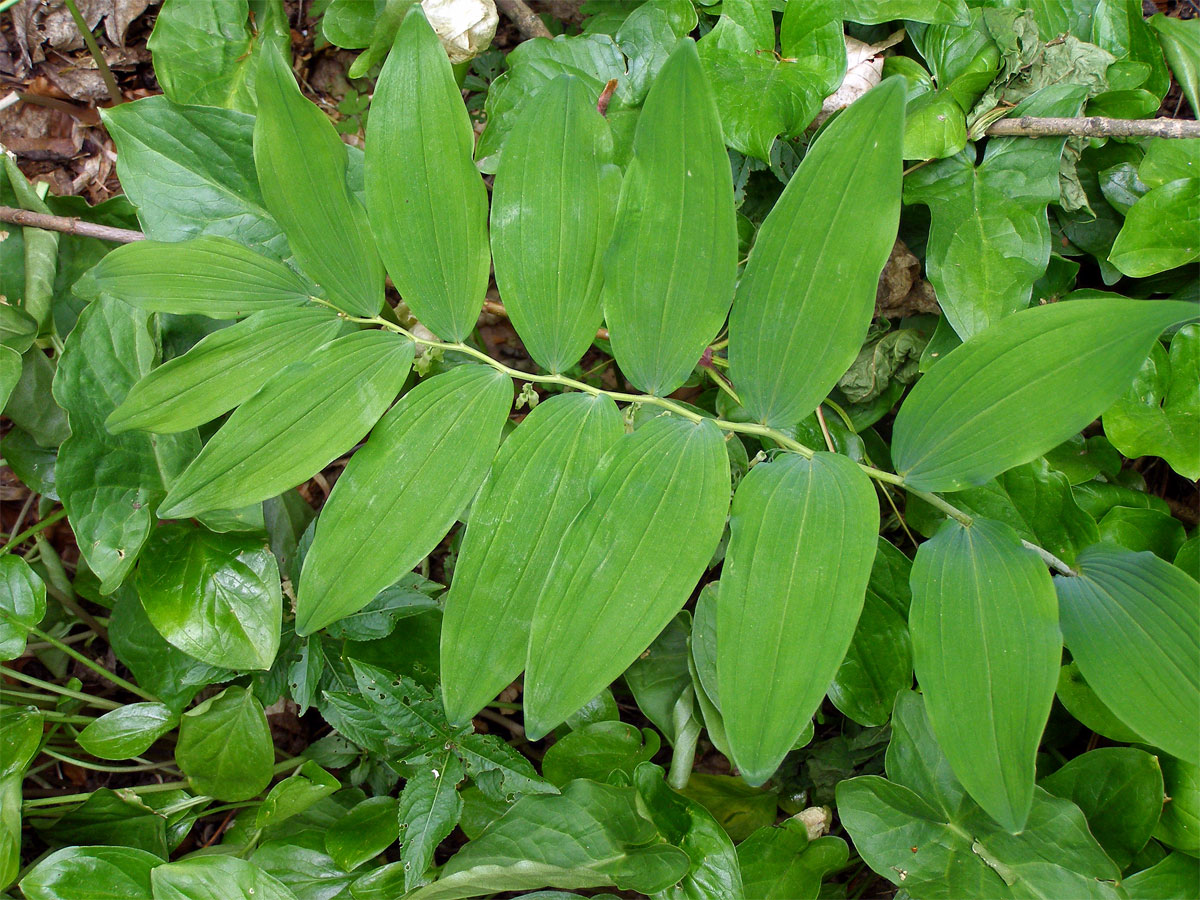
<point x="594" y="518"/>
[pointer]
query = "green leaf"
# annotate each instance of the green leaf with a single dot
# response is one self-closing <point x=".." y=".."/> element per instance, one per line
<point x="272" y="442"/>
<point x="295" y="794"/>
<point x="780" y="863"/>
<point x="1180" y="41"/>
<point x="91" y="873"/>
<point x="1022" y="387"/>
<point x="1158" y="233"/>
<point x="846" y="192"/>
<point x="128" y="731"/>
<point x="214" y="596"/>
<point x="204" y="877"/>
<point x="986" y="650"/>
<point x="429" y="809"/>
<point x="553" y="204"/>
<point x="110" y="484"/>
<point x="877" y="664"/>
<point x="738" y="808"/>
<point x="871" y="12"/>
<point x="430" y="213"/>
<point x="225" y="746"/>
<point x="1120" y="790"/>
<point x="20" y="741"/>
<point x="934" y="126"/>
<point x="622" y="573"/>
<point x="204" y="50"/>
<point x="364" y="832"/>
<point x="537" y="484"/>
<point x="223" y="370"/>
<point x="401" y="492"/>
<point x="1143" y="529"/>
<point x="1179" y="826"/>
<point x="207" y="276"/>
<point x="301" y="165"/>
<point x="1131" y="622"/>
<point x="659" y="677"/>
<point x="1175" y="876"/>
<point x="663" y="300"/>
<point x="22" y="603"/>
<point x="1078" y="698"/>
<point x="597" y="750"/>
<point x="299" y="862"/>
<point x="106" y="816"/>
<point x="189" y="170"/>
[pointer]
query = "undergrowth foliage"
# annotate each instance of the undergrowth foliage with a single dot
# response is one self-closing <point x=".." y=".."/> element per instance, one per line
<point x="706" y="543"/>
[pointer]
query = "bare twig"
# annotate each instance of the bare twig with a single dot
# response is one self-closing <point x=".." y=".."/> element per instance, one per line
<point x="68" y="225"/>
<point x="1093" y="126"/>
<point x="527" y="21"/>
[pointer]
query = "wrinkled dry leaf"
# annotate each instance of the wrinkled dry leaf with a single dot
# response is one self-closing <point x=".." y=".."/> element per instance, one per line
<point x="864" y="70"/>
<point x="902" y="291"/>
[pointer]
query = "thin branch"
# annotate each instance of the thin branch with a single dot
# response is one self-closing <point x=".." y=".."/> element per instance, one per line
<point x="527" y="21"/>
<point x="1093" y="126"/>
<point x="68" y="225"/>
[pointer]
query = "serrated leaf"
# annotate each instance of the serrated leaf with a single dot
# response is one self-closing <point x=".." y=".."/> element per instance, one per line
<point x="498" y="769"/>
<point x="429" y="809"/>
<point x="303" y="418"/>
<point x="22" y="603"/>
<point x="402" y="492"/>
<point x="223" y="370"/>
<point x="553" y="204"/>
<point x="622" y="573"/>
<point x="225" y="747"/>
<point x="128" y="731"/>
<point x="301" y="166"/>
<point x="669" y="272"/>
<point x="429" y="215"/>
<point x="815" y="263"/>
<point x="1022" y="387"/>
<point x="537" y="484"/>
<point x="1132" y="624"/>
<point x="986" y="650"/>
<point x="802" y="538"/>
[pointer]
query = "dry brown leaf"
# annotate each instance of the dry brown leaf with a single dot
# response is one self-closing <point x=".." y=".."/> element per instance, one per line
<point x="864" y="70"/>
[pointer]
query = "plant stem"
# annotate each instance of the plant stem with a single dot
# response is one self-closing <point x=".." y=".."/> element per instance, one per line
<point x="35" y="528"/>
<point x="80" y="658"/>
<point x="99" y="767"/>
<point x="935" y="501"/>
<point x="1093" y="126"/>
<point x="54" y="688"/>
<point x="1049" y="558"/>
<point x="93" y="48"/>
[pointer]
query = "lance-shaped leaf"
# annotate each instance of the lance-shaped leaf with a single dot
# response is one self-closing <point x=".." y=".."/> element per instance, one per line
<point x="986" y="649"/>
<point x="669" y="273"/>
<point x="1133" y="625"/>
<point x="806" y="297"/>
<point x="223" y="370"/>
<point x="427" y="202"/>
<point x="1022" y="387"/>
<point x="109" y="483"/>
<point x="802" y="538"/>
<point x="430" y="807"/>
<point x="537" y="484"/>
<point x="301" y="165"/>
<point x="301" y="420"/>
<point x="401" y="493"/>
<point x="623" y="570"/>
<point x="552" y="211"/>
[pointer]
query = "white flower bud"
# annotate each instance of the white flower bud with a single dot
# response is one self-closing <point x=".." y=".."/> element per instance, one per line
<point x="466" y="27"/>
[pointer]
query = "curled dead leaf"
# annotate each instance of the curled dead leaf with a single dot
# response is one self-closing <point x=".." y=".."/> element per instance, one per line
<point x="864" y="70"/>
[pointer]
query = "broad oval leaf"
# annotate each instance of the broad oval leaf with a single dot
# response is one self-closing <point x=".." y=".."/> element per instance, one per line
<point x="301" y="420"/>
<point x="400" y="493"/>
<point x="1159" y="231"/>
<point x="205" y="877"/>
<point x="223" y="370"/>
<point x="301" y="165"/>
<point x="1022" y="387"/>
<point x="127" y="731"/>
<point x="986" y="649"/>
<point x="802" y="539"/>
<point x="91" y="873"/>
<point x="553" y="205"/>
<point x="214" y="596"/>
<point x="623" y="570"/>
<point x="669" y="273"/>
<point x="364" y="832"/>
<point x="876" y="666"/>
<point x="426" y="200"/>
<point x="537" y="484"/>
<point x="1132" y="623"/>
<point x="22" y="603"/>
<point x="808" y="292"/>
<point x="225" y="746"/>
<point x="206" y="276"/>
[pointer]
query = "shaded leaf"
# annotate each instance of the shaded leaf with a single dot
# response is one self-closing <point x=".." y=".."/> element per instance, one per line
<point x="22" y="603"/>
<point x="225" y="747"/>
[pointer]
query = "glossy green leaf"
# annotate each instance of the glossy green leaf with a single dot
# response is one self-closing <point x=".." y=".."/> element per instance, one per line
<point x="934" y="126"/>
<point x="27" y="406"/>
<point x="847" y="194"/>
<point x="1176" y="876"/>
<point x="1180" y="41"/>
<point x="109" y="817"/>
<point x="537" y="484"/>
<point x="802" y="537"/>
<point x="91" y="873"/>
<point x="870" y="12"/>
<point x="223" y="370"/>
<point x="1022" y="387"/>
<point x="22" y="603"/>
<point x="1120" y="790"/>
<point x="20" y="740"/>
<point x="225" y="747"/>
<point x="427" y="203"/>
<point x="1159" y="232"/>
<point x="622" y="572"/>
<point x="429" y="809"/>
<point x="420" y="468"/>
<point x="877" y="664"/>
<point x="986" y="650"/>
<point x="1132" y="624"/>
<point x="272" y="442"/>
<point x="295" y="794"/>
<point x="553" y="204"/>
<point x="669" y="272"/>
<point x="597" y="750"/>
<point x="1078" y="698"/>
<point x="299" y="862"/>
<point x="364" y="832"/>
<point x="301" y="165"/>
<point x="1143" y="529"/>
<point x="128" y="731"/>
<point x="110" y="484"/>
<point x="1179" y="826"/>
<point x="205" y="877"/>
<point x="781" y="863"/>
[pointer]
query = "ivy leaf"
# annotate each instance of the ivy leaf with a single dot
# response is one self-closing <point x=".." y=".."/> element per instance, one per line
<point x="225" y="747"/>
